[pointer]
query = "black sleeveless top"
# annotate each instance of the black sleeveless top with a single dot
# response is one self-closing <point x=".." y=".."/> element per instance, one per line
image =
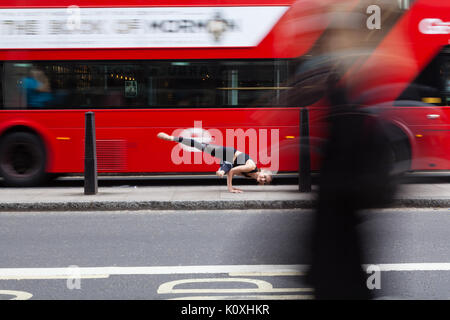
<point x="240" y="160"/>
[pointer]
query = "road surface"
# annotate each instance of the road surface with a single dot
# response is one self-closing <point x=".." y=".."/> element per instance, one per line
<point x="252" y="254"/>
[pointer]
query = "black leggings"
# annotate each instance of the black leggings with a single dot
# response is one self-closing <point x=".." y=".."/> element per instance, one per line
<point x="222" y="153"/>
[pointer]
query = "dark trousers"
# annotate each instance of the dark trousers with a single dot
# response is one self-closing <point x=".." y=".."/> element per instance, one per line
<point x="225" y="154"/>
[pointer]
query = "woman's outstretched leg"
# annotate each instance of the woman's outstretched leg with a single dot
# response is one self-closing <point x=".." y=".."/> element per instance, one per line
<point x="222" y="153"/>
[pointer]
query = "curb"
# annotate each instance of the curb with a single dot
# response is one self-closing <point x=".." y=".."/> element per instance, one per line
<point x="199" y="205"/>
<point x="157" y="205"/>
<point x="421" y="203"/>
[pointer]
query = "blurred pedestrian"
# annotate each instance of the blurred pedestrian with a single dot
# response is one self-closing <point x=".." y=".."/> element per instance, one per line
<point x="37" y="89"/>
<point x="356" y="166"/>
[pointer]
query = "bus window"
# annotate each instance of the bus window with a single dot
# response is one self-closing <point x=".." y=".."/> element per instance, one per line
<point x="26" y="85"/>
<point x="13" y="75"/>
<point x="69" y="85"/>
<point x="446" y="80"/>
<point x="431" y="85"/>
<point x="1" y="86"/>
<point x="182" y="83"/>
<point x="216" y="83"/>
<point x="257" y="82"/>
<point x="145" y="84"/>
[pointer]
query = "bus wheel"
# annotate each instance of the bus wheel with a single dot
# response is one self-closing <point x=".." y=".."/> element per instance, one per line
<point x="401" y="157"/>
<point x="22" y="159"/>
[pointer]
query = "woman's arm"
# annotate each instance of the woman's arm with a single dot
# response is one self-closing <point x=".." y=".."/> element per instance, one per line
<point x="230" y="185"/>
<point x="249" y="166"/>
<point x="230" y="175"/>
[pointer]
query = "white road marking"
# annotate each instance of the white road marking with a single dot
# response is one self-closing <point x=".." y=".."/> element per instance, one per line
<point x="57" y="273"/>
<point x="18" y="295"/>
<point x="51" y="277"/>
<point x="249" y="297"/>
<point x="256" y="289"/>
<point x="261" y="286"/>
<point x="412" y="266"/>
<point x="266" y="274"/>
<point x="101" y="272"/>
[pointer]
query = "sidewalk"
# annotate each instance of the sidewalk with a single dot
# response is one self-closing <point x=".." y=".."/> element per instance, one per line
<point x="195" y="198"/>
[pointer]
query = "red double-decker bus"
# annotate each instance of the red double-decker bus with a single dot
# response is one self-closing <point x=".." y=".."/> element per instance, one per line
<point x="216" y="70"/>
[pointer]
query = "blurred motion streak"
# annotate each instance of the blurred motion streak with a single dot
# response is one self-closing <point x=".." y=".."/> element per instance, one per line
<point x="359" y="73"/>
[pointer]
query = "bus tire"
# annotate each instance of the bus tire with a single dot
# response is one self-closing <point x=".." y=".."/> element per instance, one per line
<point x="22" y="159"/>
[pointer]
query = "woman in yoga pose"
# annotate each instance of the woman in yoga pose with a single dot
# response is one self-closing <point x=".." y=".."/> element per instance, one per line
<point x="233" y="162"/>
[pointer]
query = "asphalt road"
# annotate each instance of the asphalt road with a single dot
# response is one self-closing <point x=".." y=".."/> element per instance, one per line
<point x="208" y="254"/>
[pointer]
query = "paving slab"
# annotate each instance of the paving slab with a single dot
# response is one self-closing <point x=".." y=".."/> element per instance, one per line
<point x="196" y="198"/>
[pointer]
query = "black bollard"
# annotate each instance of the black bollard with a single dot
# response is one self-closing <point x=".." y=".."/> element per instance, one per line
<point x="304" y="171"/>
<point x="90" y="156"/>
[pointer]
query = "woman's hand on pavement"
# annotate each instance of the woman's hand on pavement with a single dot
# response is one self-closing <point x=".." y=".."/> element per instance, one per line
<point x="236" y="190"/>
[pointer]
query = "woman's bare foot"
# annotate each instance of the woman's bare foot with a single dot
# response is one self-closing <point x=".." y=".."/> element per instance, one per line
<point x="164" y="136"/>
